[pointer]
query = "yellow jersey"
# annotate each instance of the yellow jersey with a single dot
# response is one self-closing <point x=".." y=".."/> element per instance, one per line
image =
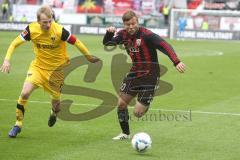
<point x="49" y="46"/>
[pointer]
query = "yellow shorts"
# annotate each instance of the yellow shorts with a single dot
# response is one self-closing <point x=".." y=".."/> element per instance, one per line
<point x="51" y="81"/>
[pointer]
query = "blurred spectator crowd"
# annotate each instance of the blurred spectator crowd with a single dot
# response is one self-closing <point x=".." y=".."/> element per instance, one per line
<point x="117" y="7"/>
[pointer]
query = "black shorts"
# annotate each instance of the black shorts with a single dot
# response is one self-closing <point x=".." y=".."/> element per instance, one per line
<point x="144" y="87"/>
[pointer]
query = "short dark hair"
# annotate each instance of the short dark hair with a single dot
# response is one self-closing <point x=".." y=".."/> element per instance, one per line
<point x="128" y="15"/>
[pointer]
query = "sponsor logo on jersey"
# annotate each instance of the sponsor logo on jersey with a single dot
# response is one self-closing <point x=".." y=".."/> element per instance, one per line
<point x="46" y="46"/>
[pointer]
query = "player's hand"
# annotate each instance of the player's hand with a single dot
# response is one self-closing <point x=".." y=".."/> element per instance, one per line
<point x="181" y="67"/>
<point x="92" y="59"/>
<point x="5" y="68"/>
<point x="111" y="29"/>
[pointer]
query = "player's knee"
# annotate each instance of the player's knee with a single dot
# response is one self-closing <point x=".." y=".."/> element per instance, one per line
<point x="122" y="104"/>
<point x="138" y="113"/>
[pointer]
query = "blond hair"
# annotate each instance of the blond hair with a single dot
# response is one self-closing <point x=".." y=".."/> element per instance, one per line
<point x="128" y="15"/>
<point x="45" y="9"/>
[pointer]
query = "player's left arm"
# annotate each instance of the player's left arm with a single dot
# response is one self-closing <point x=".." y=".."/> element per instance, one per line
<point x="168" y="50"/>
<point x="70" y="38"/>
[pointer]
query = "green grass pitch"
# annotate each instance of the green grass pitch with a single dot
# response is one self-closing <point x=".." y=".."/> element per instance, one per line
<point x="209" y="89"/>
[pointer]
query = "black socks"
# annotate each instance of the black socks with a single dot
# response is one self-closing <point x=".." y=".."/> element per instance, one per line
<point x="123" y="118"/>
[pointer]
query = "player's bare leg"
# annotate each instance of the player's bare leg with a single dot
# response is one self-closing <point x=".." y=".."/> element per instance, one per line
<point x="123" y="116"/>
<point x="140" y="109"/>
<point x="28" y="88"/>
<point x="55" y="109"/>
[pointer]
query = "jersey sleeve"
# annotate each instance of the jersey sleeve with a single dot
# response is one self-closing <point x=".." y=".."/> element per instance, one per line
<point x="25" y="35"/>
<point x="65" y="34"/>
<point x="164" y="47"/>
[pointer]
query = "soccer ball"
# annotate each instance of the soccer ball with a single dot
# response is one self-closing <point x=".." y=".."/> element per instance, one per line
<point x="141" y="142"/>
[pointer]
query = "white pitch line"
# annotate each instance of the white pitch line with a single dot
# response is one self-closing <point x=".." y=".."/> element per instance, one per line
<point x="153" y="109"/>
<point x="205" y="52"/>
<point x="198" y="112"/>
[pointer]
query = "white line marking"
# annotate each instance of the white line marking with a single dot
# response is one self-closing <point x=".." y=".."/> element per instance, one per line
<point x="206" y="52"/>
<point x="153" y="109"/>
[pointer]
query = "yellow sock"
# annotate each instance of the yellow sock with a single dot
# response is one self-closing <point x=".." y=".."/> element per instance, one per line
<point x="21" y="106"/>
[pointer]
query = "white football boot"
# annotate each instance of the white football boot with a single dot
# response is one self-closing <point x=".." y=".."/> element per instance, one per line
<point x="121" y="136"/>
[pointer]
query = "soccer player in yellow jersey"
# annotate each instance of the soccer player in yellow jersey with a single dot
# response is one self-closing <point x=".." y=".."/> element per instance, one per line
<point x="46" y="70"/>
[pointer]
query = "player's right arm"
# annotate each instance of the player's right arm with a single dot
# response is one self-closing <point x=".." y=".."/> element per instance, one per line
<point x="112" y="37"/>
<point x="25" y="35"/>
<point x="71" y="39"/>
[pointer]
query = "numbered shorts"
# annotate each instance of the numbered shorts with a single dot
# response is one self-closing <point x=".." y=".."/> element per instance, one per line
<point x="143" y="87"/>
<point x="50" y="81"/>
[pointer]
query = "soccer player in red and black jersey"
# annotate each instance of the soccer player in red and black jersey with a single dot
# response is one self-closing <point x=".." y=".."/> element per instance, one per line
<point x="141" y="45"/>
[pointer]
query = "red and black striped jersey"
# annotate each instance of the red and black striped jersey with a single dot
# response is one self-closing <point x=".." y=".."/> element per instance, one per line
<point x="142" y="48"/>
